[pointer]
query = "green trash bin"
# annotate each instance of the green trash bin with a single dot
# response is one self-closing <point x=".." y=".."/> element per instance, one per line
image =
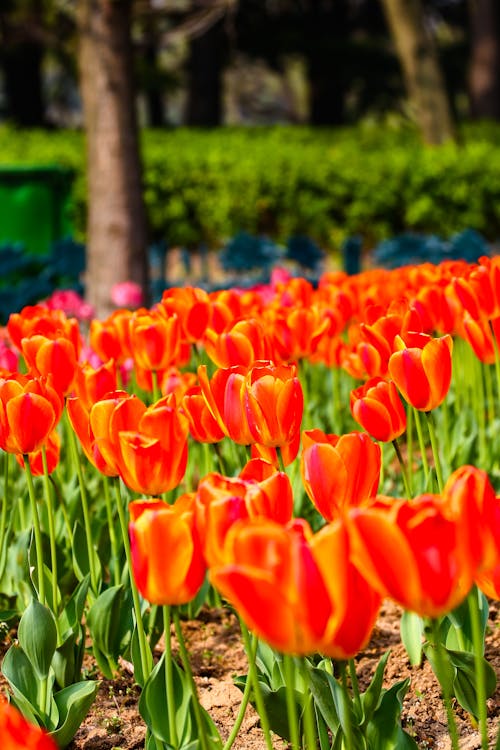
<point x="35" y="206"/>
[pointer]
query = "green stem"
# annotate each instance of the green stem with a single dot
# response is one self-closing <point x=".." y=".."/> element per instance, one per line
<point x="440" y="667"/>
<point x="156" y="389"/>
<point x="403" y="468"/>
<point x="435" y="450"/>
<point x="169" y="676"/>
<point x="309" y="715"/>
<point x="115" y="553"/>
<point x="200" y="722"/>
<point x="253" y="677"/>
<point x="86" y="513"/>
<point x="145" y="652"/>
<point x="251" y="654"/>
<point x="421" y="443"/>
<point x="409" y="447"/>
<point x="347" y="727"/>
<point x="3" y="516"/>
<point x="497" y="358"/>
<point x="281" y="463"/>
<point x="480" y="673"/>
<point x="291" y="706"/>
<point x="355" y="685"/>
<point x="37" y="531"/>
<point x="52" y="528"/>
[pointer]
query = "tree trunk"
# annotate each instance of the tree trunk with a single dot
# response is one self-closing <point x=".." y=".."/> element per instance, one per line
<point x="423" y="76"/>
<point x="484" y="73"/>
<point x="116" y="226"/>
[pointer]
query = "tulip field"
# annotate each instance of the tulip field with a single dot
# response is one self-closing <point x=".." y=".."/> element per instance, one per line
<point x="296" y="457"/>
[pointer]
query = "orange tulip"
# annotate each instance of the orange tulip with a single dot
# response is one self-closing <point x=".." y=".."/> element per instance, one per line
<point x="299" y="593"/>
<point x="274" y="403"/>
<point x="417" y="552"/>
<point x="339" y="471"/>
<point x="52" y="451"/>
<point x="155" y="529"/>
<point x="224" y="395"/>
<point x="110" y="338"/>
<point x="16" y="733"/>
<point x="153" y="454"/>
<point x="192" y="306"/>
<point x="479" y="335"/>
<point x="377" y="407"/>
<point x="241" y="343"/>
<point x="92" y="384"/>
<point x="202" y="425"/>
<point x="479" y="289"/>
<point x="29" y="410"/>
<point x="289" y="452"/>
<point x="155" y="340"/>
<point x="56" y="357"/>
<point x="421" y="369"/>
<point x="39" y="320"/>
<point x="221" y="501"/>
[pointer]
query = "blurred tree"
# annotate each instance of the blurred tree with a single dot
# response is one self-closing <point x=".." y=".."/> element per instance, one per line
<point x="484" y="73"/>
<point x="116" y="226"/>
<point x="419" y="61"/>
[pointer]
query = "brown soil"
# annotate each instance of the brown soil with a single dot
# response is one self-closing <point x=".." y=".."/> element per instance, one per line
<point x="217" y="656"/>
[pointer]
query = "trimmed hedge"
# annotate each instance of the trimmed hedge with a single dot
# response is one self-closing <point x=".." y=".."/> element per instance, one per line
<point x="371" y="180"/>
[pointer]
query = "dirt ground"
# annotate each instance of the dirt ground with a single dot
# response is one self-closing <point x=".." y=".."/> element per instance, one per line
<point x="217" y="656"/>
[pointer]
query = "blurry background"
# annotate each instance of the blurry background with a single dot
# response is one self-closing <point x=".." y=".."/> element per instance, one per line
<point x="326" y="126"/>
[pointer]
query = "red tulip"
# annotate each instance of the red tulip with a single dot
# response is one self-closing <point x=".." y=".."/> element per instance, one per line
<point x="421" y="369"/>
<point x="16" y="733"/>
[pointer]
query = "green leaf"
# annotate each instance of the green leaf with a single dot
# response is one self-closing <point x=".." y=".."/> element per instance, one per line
<point x="412" y="630"/>
<point x="37" y="635"/>
<point x="465" y="682"/>
<point x="322" y="691"/>
<point x="103" y="622"/>
<point x="384" y="732"/>
<point x="80" y="553"/>
<point x="72" y="614"/>
<point x="23" y="681"/>
<point x="73" y="703"/>
<point x="153" y="702"/>
<point x="371" y="697"/>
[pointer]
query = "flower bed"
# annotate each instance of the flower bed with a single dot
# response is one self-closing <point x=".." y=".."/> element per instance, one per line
<point x="231" y="452"/>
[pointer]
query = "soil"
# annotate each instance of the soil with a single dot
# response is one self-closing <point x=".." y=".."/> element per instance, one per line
<point x="217" y="656"/>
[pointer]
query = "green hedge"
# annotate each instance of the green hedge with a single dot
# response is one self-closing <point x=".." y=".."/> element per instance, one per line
<point x="372" y="180"/>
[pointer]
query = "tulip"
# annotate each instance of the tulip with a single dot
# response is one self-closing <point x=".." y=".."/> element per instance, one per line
<point x="39" y="320"/>
<point x="93" y="384"/>
<point x="274" y="403"/>
<point x="241" y="343"/>
<point x="192" y="307"/>
<point x="155" y="340"/>
<point x="421" y="369"/>
<point x="297" y="592"/>
<point x="221" y="501"/>
<point x="56" y="357"/>
<point x="377" y="407"/>
<point x="156" y="528"/>
<point x="110" y="338"/>
<point x="417" y="552"/>
<point x="224" y="395"/>
<point x="339" y="471"/>
<point x="29" y="410"/>
<point x="203" y="427"/>
<point x="16" y="733"/>
<point x="52" y="452"/>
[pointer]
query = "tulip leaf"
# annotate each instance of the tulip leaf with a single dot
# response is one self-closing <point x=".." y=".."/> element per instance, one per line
<point x="371" y="697"/>
<point x="80" y="553"/>
<point x="152" y="703"/>
<point x="37" y="635"/>
<point x="103" y="622"/>
<point x="276" y="708"/>
<point x="456" y="628"/>
<point x="412" y="630"/>
<point x="72" y="614"/>
<point x="322" y="691"/>
<point x="22" y="678"/>
<point x="73" y="703"/>
<point x="465" y="682"/>
<point x="384" y="731"/>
